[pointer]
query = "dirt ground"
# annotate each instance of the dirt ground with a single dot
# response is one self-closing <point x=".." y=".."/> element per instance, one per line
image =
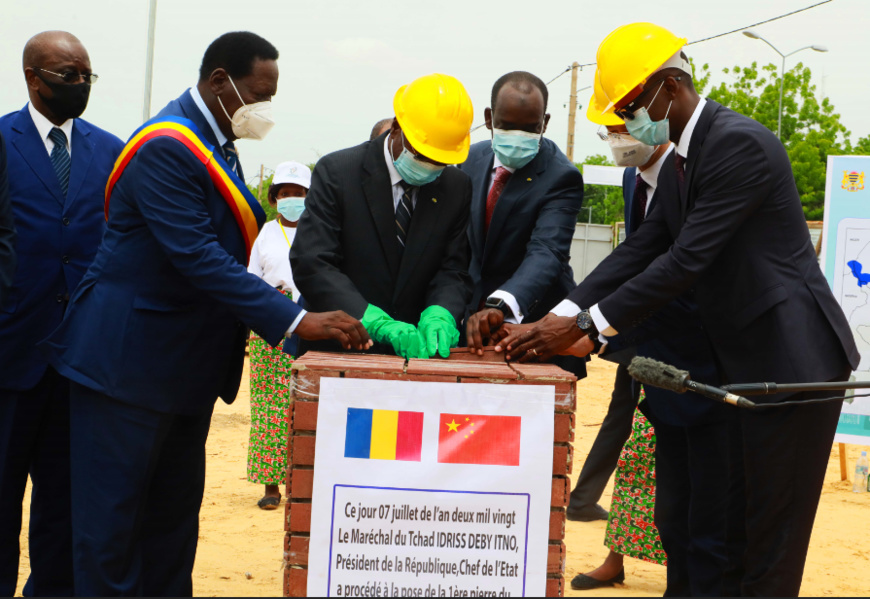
<point x="240" y="545"/>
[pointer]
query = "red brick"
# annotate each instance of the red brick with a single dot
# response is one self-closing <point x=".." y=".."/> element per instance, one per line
<point x="556" y="558"/>
<point x="492" y="370"/>
<point x="296" y="582"/>
<point x="301" y="483"/>
<point x="563" y="428"/>
<point x="421" y="378"/>
<point x="302" y="450"/>
<point x="557" y="525"/>
<point x="320" y="361"/>
<point x="488" y="381"/>
<point x="563" y="460"/>
<point x="556" y="587"/>
<point x="306" y="383"/>
<point x="305" y="415"/>
<point x="543" y="372"/>
<point x="560" y="492"/>
<point x="296" y="550"/>
<point x="464" y="354"/>
<point x="300" y="517"/>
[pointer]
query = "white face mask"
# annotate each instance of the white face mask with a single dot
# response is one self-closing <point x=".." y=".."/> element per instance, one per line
<point x="251" y="121"/>
<point x="627" y="151"/>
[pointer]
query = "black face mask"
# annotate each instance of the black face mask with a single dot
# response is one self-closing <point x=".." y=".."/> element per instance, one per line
<point x="68" y="101"/>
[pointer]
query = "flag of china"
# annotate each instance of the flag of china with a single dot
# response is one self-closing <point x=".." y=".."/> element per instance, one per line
<point x="476" y="439"/>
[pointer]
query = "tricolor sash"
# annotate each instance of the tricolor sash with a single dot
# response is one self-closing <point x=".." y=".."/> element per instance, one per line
<point x="246" y="209"/>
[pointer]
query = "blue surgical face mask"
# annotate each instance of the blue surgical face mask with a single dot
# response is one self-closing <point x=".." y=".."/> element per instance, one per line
<point x="515" y="149"/>
<point x="291" y="208"/>
<point x="413" y="170"/>
<point x="647" y="131"/>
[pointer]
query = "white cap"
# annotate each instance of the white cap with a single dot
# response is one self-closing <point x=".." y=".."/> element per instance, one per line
<point x="677" y="61"/>
<point x="292" y="172"/>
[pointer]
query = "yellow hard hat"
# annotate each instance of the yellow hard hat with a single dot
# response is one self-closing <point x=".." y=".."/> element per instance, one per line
<point x="598" y="104"/>
<point x="435" y="113"/>
<point x="628" y="56"/>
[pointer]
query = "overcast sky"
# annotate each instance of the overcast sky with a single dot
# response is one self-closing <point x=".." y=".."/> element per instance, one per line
<point x="342" y="61"/>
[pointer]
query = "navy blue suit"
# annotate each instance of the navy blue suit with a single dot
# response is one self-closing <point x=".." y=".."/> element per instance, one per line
<point x="527" y="249"/>
<point x="7" y="228"/>
<point x="154" y="334"/>
<point x="58" y="236"/>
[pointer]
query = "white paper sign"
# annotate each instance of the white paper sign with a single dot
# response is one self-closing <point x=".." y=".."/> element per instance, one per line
<point x="431" y="489"/>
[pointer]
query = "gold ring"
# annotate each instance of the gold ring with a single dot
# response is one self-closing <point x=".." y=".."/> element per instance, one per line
<point x="534" y="351"/>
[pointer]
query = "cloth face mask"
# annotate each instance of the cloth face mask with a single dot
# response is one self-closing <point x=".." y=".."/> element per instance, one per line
<point x="68" y="101"/>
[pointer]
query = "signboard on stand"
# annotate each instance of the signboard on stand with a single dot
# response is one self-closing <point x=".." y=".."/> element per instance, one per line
<point x="431" y="489"/>
<point x="845" y="260"/>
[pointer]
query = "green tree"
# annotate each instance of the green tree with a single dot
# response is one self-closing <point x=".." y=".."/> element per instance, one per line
<point x="605" y="200"/>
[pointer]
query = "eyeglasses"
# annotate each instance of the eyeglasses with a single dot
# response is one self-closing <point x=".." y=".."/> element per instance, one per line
<point x="626" y="113"/>
<point x="72" y="76"/>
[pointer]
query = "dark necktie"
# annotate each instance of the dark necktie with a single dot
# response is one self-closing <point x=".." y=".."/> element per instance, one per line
<point x="680" y="163"/>
<point x="640" y="199"/>
<point x="498" y="183"/>
<point x="60" y="159"/>
<point x="404" y="212"/>
<point x="232" y="157"/>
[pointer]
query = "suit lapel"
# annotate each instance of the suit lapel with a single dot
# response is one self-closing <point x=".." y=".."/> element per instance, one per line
<point x="32" y="149"/>
<point x="702" y="128"/>
<point x="478" y="198"/>
<point x="379" y="195"/>
<point x="628" y="183"/>
<point x="82" y="154"/>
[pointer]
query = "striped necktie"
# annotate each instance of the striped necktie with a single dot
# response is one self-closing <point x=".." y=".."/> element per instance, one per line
<point x="60" y="159"/>
<point x="232" y="157"/>
<point x="404" y="212"/>
<point x="640" y="199"/>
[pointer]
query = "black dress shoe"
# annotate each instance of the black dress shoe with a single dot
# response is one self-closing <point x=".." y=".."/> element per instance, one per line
<point x="586" y="513"/>
<point x="581" y="582"/>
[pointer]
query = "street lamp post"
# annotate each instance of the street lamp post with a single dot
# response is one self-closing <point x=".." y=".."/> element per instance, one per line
<point x="754" y="35"/>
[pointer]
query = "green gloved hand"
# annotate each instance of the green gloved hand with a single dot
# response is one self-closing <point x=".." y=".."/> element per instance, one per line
<point x="405" y="339"/>
<point x="438" y="329"/>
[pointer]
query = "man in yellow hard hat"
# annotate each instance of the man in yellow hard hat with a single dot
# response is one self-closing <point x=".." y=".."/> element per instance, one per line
<point x="384" y="233"/>
<point x="729" y="227"/>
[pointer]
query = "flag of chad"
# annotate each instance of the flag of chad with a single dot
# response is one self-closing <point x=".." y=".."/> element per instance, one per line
<point x="383" y="435"/>
<point x="475" y="439"/>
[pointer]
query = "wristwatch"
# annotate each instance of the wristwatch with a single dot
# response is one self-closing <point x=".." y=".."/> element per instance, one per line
<point x="499" y="304"/>
<point x="587" y="325"/>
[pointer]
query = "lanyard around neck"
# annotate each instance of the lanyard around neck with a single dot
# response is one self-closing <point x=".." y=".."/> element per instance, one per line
<point x="287" y="239"/>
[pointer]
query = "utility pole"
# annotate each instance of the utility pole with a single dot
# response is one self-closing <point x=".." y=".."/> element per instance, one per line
<point x="572" y="111"/>
<point x="260" y="186"/>
<point x="149" y="60"/>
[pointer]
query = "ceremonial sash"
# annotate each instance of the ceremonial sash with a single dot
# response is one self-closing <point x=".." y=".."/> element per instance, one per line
<point x="247" y="211"/>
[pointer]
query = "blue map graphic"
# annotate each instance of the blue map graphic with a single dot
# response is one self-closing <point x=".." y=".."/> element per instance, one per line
<point x="858" y="272"/>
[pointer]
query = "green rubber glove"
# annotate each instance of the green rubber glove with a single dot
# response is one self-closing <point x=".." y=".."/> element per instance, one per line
<point x="404" y="337"/>
<point x="438" y="329"/>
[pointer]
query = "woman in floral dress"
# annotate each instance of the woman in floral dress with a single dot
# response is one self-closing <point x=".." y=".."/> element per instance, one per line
<point x="630" y="527"/>
<point x="270" y="366"/>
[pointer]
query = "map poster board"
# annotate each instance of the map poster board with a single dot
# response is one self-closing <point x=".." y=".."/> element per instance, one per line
<point x="845" y="260"/>
<point x="431" y="489"/>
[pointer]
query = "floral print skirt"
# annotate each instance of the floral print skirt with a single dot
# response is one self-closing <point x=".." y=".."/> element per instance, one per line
<point x="631" y="530"/>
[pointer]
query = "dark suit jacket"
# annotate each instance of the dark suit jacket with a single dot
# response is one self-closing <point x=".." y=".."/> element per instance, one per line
<point x="527" y="249"/>
<point x="7" y="229"/>
<point x="58" y="236"/>
<point x="673" y="335"/>
<point x="159" y="320"/>
<point x="346" y="255"/>
<point x="736" y="234"/>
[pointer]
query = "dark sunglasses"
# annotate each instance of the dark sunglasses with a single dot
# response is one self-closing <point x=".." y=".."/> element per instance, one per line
<point x="71" y="77"/>
<point x="626" y="113"/>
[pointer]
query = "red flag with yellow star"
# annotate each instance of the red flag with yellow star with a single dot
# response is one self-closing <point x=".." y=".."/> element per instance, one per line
<point x="476" y="439"/>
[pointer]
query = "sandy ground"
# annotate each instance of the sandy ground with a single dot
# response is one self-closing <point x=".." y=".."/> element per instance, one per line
<point x="240" y="546"/>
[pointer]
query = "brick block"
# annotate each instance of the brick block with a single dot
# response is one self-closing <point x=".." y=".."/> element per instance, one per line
<point x="305" y="416"/>
<point x="557" y="524"/>
<point x="301" y="483"/>
<point x="563" y="428"/>
<point x="464" y="354"/>
<point x="295" y="550"/>
<point x="302" y="450"/>
<point x="556" y="587"/>
<point x="560" y="492"/>
<point x="565" y="382"/>
<point x="306" y="383"/>
<point x="556" y="558"/>
<point x="300" y="517"/>
<point x="563" y="460"/>
<point x="385" y="376"/>
<point x="471" y="370"/>
<point x="296" y="582"/>
<point x="321" y="361"/>
<point x="566" y="397"/>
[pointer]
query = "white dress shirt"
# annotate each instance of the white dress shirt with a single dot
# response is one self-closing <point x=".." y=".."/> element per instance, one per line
<point x="209" y="117"/>
<point x="651" y="177"/>
<point x="396" y="179"/>
<point x="270" y="256"/>
<point x="44" y="127"/>
<point x="501" y="294"/>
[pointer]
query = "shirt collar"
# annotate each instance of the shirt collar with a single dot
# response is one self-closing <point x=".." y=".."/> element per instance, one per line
<point x="497" y="163"/>
<point x="395" y="177"/>
<point x="651" y="175"/>
<point x="686" y="137"/>
<point x="44" y="126"/>
<point x="200" y="103"/>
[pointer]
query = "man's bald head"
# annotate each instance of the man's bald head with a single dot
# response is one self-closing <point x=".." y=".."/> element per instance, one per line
<point x="43" y="46"/>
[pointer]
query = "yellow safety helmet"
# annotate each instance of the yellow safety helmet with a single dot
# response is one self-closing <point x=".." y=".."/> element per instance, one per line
<point x="595" y="112"/>
<point x="435" y="113"/>
<point x="628" y="56"/>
